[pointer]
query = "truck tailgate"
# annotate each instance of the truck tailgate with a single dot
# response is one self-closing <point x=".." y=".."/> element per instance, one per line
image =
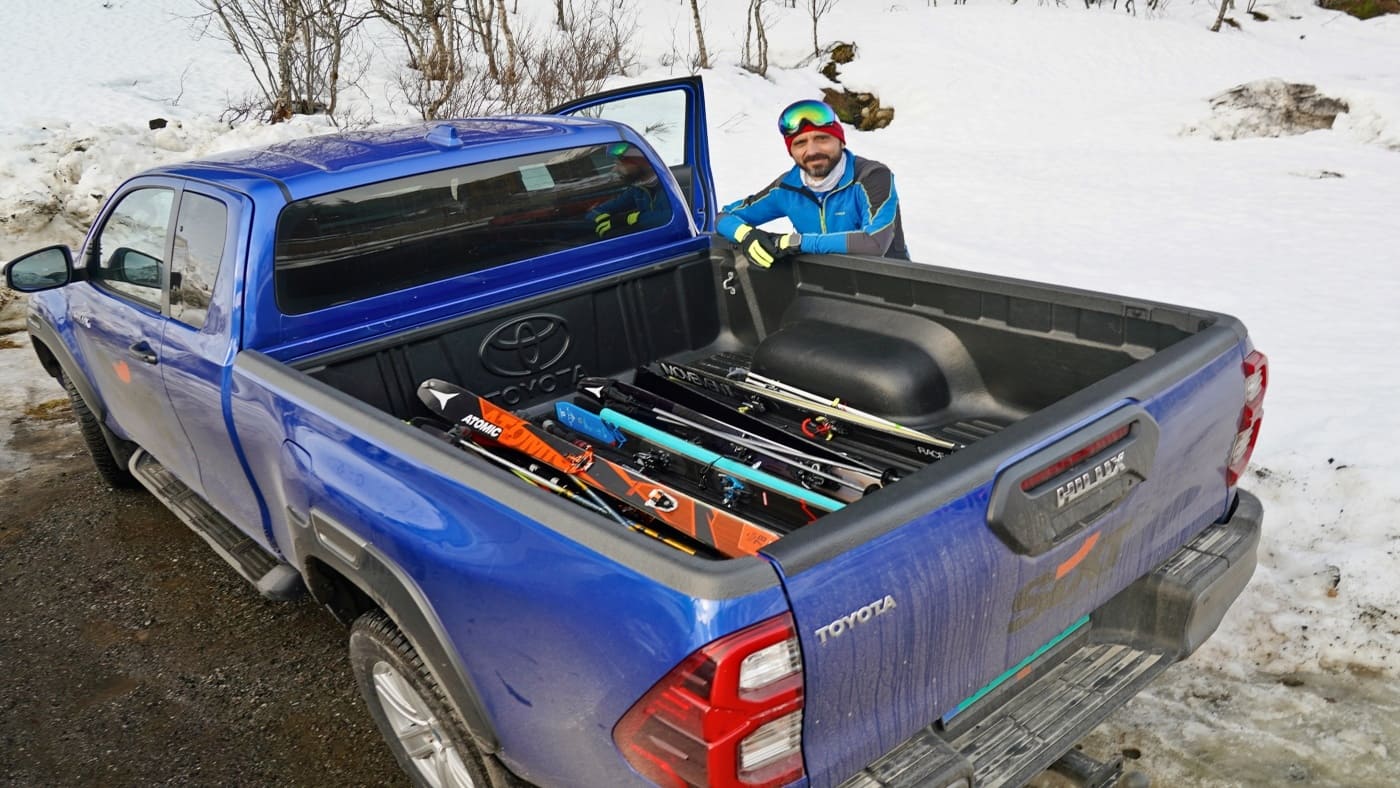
<point x="932" y="593"/>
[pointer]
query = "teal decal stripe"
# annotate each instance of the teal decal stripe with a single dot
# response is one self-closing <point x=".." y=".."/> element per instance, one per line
<point x="996" y="682"/>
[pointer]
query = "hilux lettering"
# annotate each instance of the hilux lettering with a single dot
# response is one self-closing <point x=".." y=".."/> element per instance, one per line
<point x="1071" y="490"/>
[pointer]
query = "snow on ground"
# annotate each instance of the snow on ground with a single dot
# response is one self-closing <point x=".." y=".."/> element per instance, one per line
<point x="1050" y="143"/>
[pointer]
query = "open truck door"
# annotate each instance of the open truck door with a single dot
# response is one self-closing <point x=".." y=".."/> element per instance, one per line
<point x="670" y="115"/>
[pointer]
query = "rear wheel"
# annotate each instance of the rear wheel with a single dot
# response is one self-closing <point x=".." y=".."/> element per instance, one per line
<point x="111" y="471"/>
<point x="421" y="727"/>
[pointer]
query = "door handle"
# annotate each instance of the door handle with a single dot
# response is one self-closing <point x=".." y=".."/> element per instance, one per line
<point x="142" y="350"/>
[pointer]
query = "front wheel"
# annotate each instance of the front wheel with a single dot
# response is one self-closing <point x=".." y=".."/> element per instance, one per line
<point x="420" y="725"/>
<point x="113" y="473"/>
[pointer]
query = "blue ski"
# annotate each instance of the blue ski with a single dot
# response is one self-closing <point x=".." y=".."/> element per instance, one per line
<point x="706" y="457"/>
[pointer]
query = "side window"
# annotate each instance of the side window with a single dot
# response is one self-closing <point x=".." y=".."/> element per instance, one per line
<point x="200" y="231"/>
<point x="660" y="117"/>
<point x="130" y="251"/>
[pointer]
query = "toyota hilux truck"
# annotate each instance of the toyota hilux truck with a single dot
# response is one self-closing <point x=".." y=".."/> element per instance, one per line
<point x="601" y="505"/>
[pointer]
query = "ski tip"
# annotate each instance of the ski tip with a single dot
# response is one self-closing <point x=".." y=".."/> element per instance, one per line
<point x="436" y="393"/>
<point x="736" y="373"/>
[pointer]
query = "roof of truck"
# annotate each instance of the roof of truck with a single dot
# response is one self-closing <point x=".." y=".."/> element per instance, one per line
<point x="331" y="161"/>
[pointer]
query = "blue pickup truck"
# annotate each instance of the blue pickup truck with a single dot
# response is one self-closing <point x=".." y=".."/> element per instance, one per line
<point x="254" y="337"/>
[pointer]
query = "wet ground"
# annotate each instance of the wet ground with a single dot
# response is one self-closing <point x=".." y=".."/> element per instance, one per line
<point x="1195" y="727"/>
<point x="131" y="655"/>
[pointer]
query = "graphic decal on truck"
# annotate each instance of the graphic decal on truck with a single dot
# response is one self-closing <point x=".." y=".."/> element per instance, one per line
<point x="1095" y="559"/>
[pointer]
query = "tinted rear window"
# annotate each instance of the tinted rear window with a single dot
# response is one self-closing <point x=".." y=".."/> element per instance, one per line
<point x="376" y="239"/>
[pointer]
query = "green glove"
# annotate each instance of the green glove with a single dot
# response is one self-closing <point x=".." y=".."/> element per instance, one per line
<point x="602" y="223"/>
<point x="762" y="248"/>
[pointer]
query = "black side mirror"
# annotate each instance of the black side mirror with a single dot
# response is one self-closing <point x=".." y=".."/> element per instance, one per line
<point x="44" y="269"/>
<point x="136" y="268"/>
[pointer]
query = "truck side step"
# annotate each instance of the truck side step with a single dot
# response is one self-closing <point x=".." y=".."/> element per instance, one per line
<point x="274" y="579"/>
<point x="1024" y="737"/>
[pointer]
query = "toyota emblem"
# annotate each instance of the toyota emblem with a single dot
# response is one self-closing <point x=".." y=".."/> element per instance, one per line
<point x="525" y="345"/>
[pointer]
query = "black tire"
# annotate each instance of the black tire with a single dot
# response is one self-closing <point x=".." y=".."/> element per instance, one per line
<point x="113" y="473"/>
<point x="408" y="705"/>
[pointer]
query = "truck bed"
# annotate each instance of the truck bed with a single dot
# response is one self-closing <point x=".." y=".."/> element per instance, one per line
<point x="956" y="355"/>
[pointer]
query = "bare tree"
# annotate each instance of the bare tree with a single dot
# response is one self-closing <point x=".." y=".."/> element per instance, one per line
<point x="293" y="48"/>
<point x="516" y="70"/>
<point x="563" y="16"/>
<point x="703" y="58"/>
<point x="756" y="39"/>
<point x="481" y="22"/>
<point x="333" y="25"/>
<point x="431" y="33"/>
<point x="565" y="65"/>
<point x="512" y="53"/>
<point x="1224" y="4"/>
<point x="818" y="9"/>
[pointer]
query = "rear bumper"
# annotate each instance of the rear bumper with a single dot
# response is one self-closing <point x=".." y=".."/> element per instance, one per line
<point x="1132" y="639"/>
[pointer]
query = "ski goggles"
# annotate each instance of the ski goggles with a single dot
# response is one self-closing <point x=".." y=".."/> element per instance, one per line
<point x="805" y="113"/>
<point x="617" y="150"/>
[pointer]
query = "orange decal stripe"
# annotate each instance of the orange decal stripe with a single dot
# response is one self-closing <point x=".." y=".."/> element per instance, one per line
<point x="1079" y="555"/>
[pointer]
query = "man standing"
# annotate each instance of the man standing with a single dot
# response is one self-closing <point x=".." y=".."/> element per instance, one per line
<point x="838" y="202"/>
<point x="642" y="202"/>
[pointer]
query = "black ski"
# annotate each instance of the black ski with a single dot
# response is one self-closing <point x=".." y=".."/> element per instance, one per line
<point x="484" y="421"/>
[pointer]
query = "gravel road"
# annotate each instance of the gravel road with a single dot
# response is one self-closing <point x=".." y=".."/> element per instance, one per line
<point x="131" y="655"/>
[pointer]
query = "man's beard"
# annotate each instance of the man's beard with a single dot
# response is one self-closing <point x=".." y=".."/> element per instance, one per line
<point x="818" y="166"/>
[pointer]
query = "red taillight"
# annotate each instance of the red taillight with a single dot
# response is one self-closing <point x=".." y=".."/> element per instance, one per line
<point x="729" y="715"/>
<point x="1256" y="383"/>
<point x="1073" y="458"/>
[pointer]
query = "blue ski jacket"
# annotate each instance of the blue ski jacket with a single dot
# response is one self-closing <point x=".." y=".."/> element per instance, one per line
<point x="859" y="216"/>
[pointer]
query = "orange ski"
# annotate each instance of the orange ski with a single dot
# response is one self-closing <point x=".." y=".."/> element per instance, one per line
<point x="714" y="526"/>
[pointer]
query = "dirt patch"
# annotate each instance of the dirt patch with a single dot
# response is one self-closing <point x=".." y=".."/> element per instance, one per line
<point x="1362" y="9"/>
<point x="133" y="656"/>
<point x="1269" y="108"/>
<point x="53" y="409"/>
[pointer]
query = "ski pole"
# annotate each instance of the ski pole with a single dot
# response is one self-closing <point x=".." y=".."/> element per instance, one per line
<point x="839" y="405"/>
<point x="772" y="451"/>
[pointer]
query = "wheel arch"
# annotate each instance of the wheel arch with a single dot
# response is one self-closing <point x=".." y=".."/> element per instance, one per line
<point x="47" y="359"/>
<point x="61" y="364"/>
<point x="351" y="577"/>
